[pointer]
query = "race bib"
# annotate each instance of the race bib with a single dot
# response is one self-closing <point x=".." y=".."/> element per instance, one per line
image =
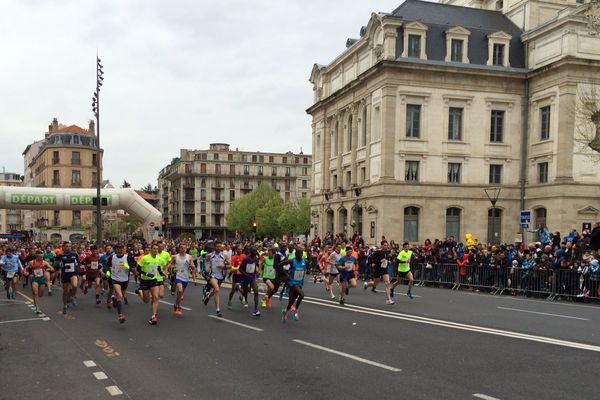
<point x="384" y="263"/>
<point x="298" y="275"/>
<point x="94" y="265"/>
<point x="152" y="270"/>
<point x="38" y="272"/>
<point x="69" y="267"/>
<point x="348" y="265"/>
<point x="10" y="274"/>
<point x="250" y="268"/>
<point x="181" y="270"/>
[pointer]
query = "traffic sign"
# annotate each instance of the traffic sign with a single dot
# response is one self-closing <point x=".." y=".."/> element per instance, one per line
<point x="525" y="218"/>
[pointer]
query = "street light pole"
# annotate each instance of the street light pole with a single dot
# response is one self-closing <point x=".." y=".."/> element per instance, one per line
<point x="96" y="109"/>
<point x="493" y="194"/>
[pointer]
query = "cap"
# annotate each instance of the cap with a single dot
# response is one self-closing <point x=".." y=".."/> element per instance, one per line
<point x="515" y="263"/>
<point x="595" y="263"/>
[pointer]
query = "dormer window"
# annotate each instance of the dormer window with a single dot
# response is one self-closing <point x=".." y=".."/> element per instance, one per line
<point x="415" y="40"/>
<point x="498" y="49"/>
<point x="457" y="45"/>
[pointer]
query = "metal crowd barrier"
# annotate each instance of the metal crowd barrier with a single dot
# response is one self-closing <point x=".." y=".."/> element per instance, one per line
<point x="576" y="285"/>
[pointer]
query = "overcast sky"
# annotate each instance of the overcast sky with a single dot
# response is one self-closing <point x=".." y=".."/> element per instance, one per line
<point x="178" y="74"/>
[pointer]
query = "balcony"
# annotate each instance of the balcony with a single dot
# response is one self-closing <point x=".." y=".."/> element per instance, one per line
<point x="218" y="199"/>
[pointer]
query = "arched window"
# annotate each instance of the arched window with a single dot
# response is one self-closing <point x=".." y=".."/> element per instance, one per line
<point x="363" y="130"/>
<point x="453" y="223"/>
<point x="411" y="224"/>
<point x="334" y="140"/>
<point x="494" y="226"/>
<point x="540" y="216"/>
<point x="349" y="134"/>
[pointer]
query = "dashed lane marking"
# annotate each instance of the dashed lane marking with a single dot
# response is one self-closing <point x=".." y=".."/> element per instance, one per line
<point x="100" y="375"/>
<point x="236" y="323"/>
<point x="484" y="396"/>
<point x="89" y="363"/>
<point x="350" y="356"/>
<point x="114" y="390"/>
<point x="542" y="313"/>
<point x="24" y="320"/>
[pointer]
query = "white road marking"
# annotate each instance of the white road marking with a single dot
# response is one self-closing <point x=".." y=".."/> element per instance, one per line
<point x="542" y="313"/>
<point x="10" y="304"/>
<point x="454" y="325"/>
<point x="100" y="375"/>
<point x="89" y="363"/>
<point x="23" y="320"/>
<point x="165" y="302"/>
<point x="114" y="390"/>
<point x="484" y="396"/>
<point x="350" y="356"/>
<point x="236" y="323"/>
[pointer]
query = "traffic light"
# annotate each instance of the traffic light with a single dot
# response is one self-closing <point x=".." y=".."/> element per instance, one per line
<point x="254" y="225"/>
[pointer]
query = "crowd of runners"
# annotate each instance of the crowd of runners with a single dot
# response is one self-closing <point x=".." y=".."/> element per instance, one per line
<point x="150" y="269"/>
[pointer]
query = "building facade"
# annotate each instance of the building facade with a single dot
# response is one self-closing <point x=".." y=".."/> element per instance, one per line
<point x="197" y="188"/>
<point x="10" y="220"/>
<point x="435" y="103"/>
<point x="66" y="157"/>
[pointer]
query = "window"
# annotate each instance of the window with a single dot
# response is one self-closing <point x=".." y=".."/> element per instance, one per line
<point x="274" y="171"/>
<point x="545" y="123"/>
<point x="253" y="157"/>
<point x="411" y="173"/>
<point x="203" y="220"/>
<point x="456" y="50"/>
<point x="203" y="168"/>
<point x="231" y="195"/>
<point x="202" y="207"/>
<point x="287" y="196"/>
<point x="453" y="222"/>
<point x="454" y="172"/>
<point x="55" y="177"/>
<point x="232" y="169"/>
<point x="414" y="46"/>
<point x="246" y="170"/>
<point x="543" y="172"/>
<point x="202" y="194"/>
<point x="76" y="178"/>
<point x="334" y="181"/>
<point x="495" y="174"/>
<point x="218" y="169"/>
<point x="305" y="171"/>
<point x="244" y="157"/>
<point x="498" y="55"/>
<point x="304" y="184"/>
<point x="203" y="182"/>
<point x="540" y="217"/>
<point x="94" y="179"/>
<point x="305" y="160"/>
<point x="76" y="158"/>
<point x="497" y="126"/>
<point x="349" y="134"/>
<point x="376" y="124"/>
<point x="94" y="159"/>
<point x="455" y="116"/>
<point x="411" y="224"/>
<point x="348" y="178"/>
<point x="260" y="170"/>
<point x="76" y="218"/>
<point x="287" y="184"/>
<point x="215" y="156"/>
<point x="363" y="174"/>
<point x="297" y="160"/>
<point x="413" y="120"/>
<point x="55" y="157"/>
<point x="271" y="159"/>
<point x="288" y="171"/>
<point x="204" y="156"/>
<point x="229" y="157"/>
<point x="363" y="130"/>
<point x="284" y="160"/>
<point x="261" y="159"/>
<point x="56" y="218"/>
<point x="494" y="225"/>
<point x="303" y="194"/>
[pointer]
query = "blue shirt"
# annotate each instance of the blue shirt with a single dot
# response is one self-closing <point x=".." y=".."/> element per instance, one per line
<point x="10" y="264"/>
<point x="297" y="272"/>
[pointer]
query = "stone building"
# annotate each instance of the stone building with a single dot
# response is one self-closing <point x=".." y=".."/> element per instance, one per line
<point x="66" y="157"/>
<point x="197" y="188"/>
<point x="10" y="220"/>
<point x="436" y="102"/>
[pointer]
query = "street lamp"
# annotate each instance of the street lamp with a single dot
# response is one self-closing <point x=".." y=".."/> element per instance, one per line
<point x="492" y="194"/>
<point x="96" y="110"/>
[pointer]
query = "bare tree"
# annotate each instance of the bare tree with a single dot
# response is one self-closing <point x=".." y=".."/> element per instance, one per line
<point x="587" y="119"/>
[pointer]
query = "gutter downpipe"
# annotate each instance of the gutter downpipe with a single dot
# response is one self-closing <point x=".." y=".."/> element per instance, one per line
<point x="524" y="144"/>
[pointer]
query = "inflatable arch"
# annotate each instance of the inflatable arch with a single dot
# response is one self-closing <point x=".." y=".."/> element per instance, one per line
<point x="34" y="198"/>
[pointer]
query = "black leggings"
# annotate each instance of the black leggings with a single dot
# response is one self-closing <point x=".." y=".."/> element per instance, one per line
<point x="296" y="295"/>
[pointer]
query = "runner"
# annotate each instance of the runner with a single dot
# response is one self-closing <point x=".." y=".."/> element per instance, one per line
<point x="404" y="259"/>
<point x="50" y="276"/>
<point x="249" y="271"/>
<point x="182" y="266"/>
<point x="108" y="251"/>
<point x="325" y="264"/>
<point x="296" y="283"/>
<point x="347" y="265"/>
<point x="118" y="274"/>
<point x="69" y="264"/>
<point x="92" y="273"/>
<point x="333" y="262"/>
<point x="166" y="257"/>
<point x="11" y="270"/>
<point x="236" y="261"/>
<point x="379" y="259"/>
<point x="151" y="267"/>
<point x="216" y="266"/>
<point x="269" y="276"/>
<point x="38" y="268"/>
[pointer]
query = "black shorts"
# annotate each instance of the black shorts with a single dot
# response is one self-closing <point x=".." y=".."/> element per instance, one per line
<point x="402" y="274"/>
<point x="236" y="278"/>
<point x="379" y="272"/>
<point x="147" y="284"/>
<point x="65" y="277"/>
<point x="122" y="284"/>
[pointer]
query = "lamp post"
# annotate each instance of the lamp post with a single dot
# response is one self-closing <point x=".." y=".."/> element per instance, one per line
<point x="96" y="110"/>
<point x="493" y="194"/>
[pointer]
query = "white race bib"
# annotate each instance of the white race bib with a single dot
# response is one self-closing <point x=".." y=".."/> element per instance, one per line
<point x="94" y="265"/>
<point x="70" y="267"/>
<point x="38" y="272"/>
<point x="298" y="275"/>
<point x="250" y="268"/>
<point x="384" y="263"/>
<point x="348" y="265"/>
<point x="153" y="270"/>
<point x="10" y="274"/>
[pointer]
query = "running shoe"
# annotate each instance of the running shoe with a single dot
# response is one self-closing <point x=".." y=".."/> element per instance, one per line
<point x="172" y="293"/>
<point x="296" y="316"/>
<point x="284" y="315"/>
<point x="365" y="286"/>
<point x="263" y="303"/>
<point x="121" y="318"/>
<point x="341" y="302"/>
<point x="137" y="291"/>
<point x="245" y="304"/>
<point x="85" y="289"/>
<point x="206" y="298"/>
<point x="332" y="296"/>
<point x="153" y="320"/>
<point x="38" y="311"/>
<point x="219" y="313"/>
<point x="373" y="290"/>
<point x="293" y="309"/>
<point x="256" y="313"/>
<point x="12" y="295"/>
<point x="409" y="294"/>
<point x="390" y="302"/>
<point x="180" y="311"/>
<point x="64" y="310"/>
<point x="73" y="303"/>
<point x="49" y="292"/>
<point x="268" y="302"/>
<point x="229" y="306"/>
<point x="98" y="301"/>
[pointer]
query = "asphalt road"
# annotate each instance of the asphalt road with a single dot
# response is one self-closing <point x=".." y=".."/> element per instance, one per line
<point x="441" y="345"/>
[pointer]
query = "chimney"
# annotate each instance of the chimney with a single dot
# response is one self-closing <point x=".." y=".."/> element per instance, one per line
<point x="54" y="124"/>
<point x="92" y="129"/>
